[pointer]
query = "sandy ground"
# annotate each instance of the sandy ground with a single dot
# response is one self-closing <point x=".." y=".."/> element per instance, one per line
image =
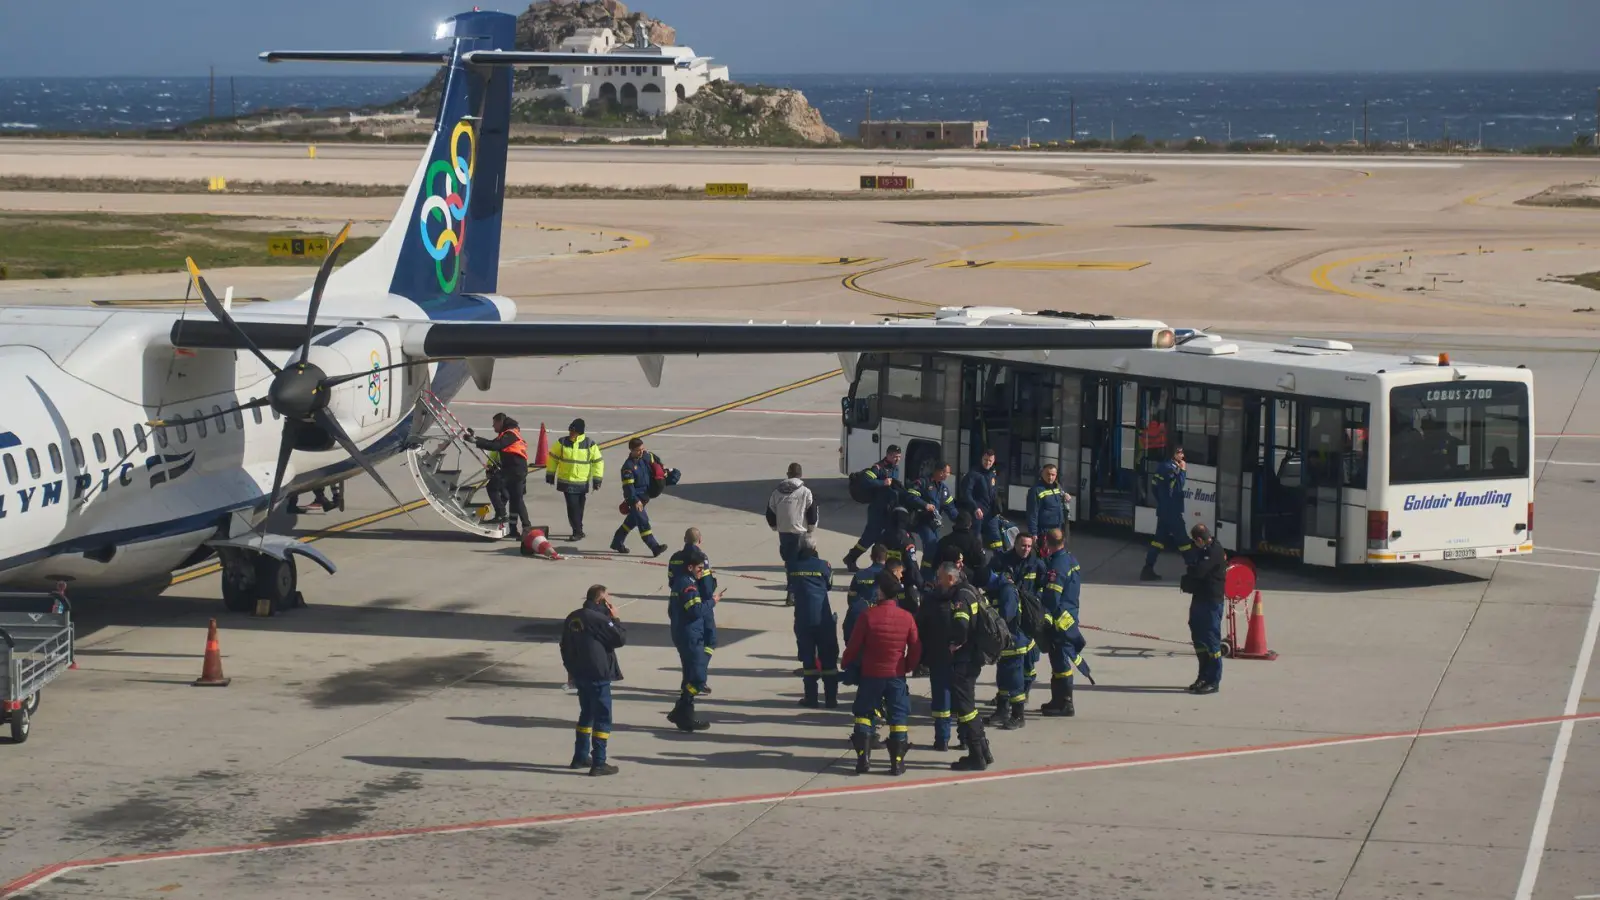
<point x="1386" y="754"/>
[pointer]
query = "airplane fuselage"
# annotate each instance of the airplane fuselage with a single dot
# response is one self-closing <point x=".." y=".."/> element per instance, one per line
<point x="92" y="494"/>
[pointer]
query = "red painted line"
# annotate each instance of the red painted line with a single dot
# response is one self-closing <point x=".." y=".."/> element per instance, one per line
<point x="598" y="407"/>
<point x="47" y="873"/>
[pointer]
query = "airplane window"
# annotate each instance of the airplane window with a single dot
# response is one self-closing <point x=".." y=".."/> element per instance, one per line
<point x="77" y="453"/>
<point x="33" y="463"/>
<point x="183" y="433"/>
<point x="139" y="439"/>
<point x="11" y="469"/>
<point x="120" y="441"/>
<point x="238" y="418"/>
<point x="222" y="420"/>
<point x="200" y="424"/>
<point x="161" y="437"/>
<point x="256" y="413"/>
<point x="55" y="458"/>
<point x="99" y="448"/>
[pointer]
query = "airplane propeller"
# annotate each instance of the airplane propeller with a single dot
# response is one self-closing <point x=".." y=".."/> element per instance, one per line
<point x="300" y="393"/>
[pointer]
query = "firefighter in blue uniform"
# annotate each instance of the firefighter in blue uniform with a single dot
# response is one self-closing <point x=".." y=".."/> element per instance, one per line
<point x="1167" y="484"/>
<point x="1209" y="571"/>
<point x="932" y="503"/>
<point x="694" y="634"/>
<point x="1025" y="563"/>
<point x="1063" y="581"/>
<point x="816" y="628"/>
<point x="1047" y="502"/>
<point x="1011" y="672"/>
<point x="884" y="476"/>
<point x="980" y="495"/>
<point x="900" y="546"/>
<point x="635" y="494"/>
<point x="864" y="588"/>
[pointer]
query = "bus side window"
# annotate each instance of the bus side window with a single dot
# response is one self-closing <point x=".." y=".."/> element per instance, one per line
<point x="1355" y="447"/>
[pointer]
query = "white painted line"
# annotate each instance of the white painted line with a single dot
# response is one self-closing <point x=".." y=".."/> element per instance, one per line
<point x="730" y="437"/>
<point x="1558" y="759"/>
<point x="1563" y="550"/>
<point x="1558" y="462"/>
<point x="1141" y="161"/>
<point x="1544" y="565"/>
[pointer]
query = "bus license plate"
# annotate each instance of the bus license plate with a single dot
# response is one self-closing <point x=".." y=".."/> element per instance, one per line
<point x="1461" y="554"/>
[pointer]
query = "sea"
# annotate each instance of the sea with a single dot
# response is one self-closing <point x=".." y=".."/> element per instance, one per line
<point x="1494" y="110"/>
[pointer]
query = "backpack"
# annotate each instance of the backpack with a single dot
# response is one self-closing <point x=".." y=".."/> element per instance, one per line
<point x="862" y="489"/>
<point x="661" y="477"/>
<point x="1030" y="615"/>
<point x="989" y="632"/>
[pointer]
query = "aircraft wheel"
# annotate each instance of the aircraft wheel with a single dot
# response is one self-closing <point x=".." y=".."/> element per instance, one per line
<point x="238" y="581"/>
<point x="275" y="581"/>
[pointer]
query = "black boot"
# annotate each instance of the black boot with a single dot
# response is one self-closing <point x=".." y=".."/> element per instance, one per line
<point x="810" y="699"/>
<point x="1017" y="719"/>
<point x="863" y="747"/>
<point x="897" y="754"/>
<point x="973" y="761"/>
<point x="851" y="558"/>
<point x="619" y="541"/>
<point x="1148" y="573"/>
<point x="1000" y="714"/>
<point x="830" y="693"/>
<point x="1067" y="710"/>
<point x="941" y="738"/>
<point x="1058" y="698"/>
<point x="983" y="744"/>
<point x="682" y="715"/>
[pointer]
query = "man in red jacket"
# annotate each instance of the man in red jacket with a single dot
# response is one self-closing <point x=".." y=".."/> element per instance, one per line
<point x="885" y="643"/>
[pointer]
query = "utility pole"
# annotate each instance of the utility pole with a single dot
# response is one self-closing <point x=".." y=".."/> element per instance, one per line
<point x="1597" y="119"/>
<point x="868" y="141"/>
<point x="1072" y="118"/>
<point x="212" y="104"/>
<point x="233" y="105"/>
<point x="1366" y="141"/>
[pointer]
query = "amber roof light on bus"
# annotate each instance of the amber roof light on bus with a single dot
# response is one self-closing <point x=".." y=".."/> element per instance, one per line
<point x="1165" y="339"/>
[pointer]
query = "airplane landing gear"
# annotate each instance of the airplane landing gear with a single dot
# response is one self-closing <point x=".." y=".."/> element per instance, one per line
<point x="257" y="583"/>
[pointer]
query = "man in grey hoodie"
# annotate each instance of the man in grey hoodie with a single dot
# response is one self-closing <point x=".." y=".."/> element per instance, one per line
<point x="792" y="513"/>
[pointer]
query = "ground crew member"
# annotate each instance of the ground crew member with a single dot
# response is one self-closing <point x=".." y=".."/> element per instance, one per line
<point x="295" y="509"/>
<point x="863" y="587"/>
<point x="932" y="504"/>
<point x="575" y="466"/>
<point x="887" y="648"/>
<point x="980" y="495"/>
<point x="694" y="634"/>
<point x="707" y="581"/>
<point x="494" y="485"/>
<point x="1209" y="575"/>
<point x="1021" y="563"/>
<point x="934" y="620"/>
<point x="1011" y="673"/>
<point x="589" y="643"/>
<point x="792" y="513"/>
<point x="1047" y="502"/>
<point x="816" y="628"/>
<point x="1063" y="582"/>
<point x="963" y="544"/>
<point x="966" y="666"/>
<point x="1168" y="486"/>
<point x="513" y="466"/>
<point x="884" y="476"/>
<point x="635" y="494"/>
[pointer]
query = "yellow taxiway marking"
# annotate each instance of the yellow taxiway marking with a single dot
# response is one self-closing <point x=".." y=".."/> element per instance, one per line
<point x="391" y="512"/>
<point x="1044" y="265"/>
<point x="777" y="260"/>
<point x="1320" y="277"/>
<point x="850" y="283"/>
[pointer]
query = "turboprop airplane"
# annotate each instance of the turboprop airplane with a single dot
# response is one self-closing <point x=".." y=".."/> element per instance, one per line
<point x="137" y="443"/>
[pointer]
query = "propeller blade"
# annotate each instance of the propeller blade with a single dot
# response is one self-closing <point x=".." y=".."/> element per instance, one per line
<point x="173" y="423"/>
<point x="285" y="450"/>
<point x="330" y="424"/>
<point x="217" y="309"/>
<point x="357" y="376"/>
<point x="321" y="284"/>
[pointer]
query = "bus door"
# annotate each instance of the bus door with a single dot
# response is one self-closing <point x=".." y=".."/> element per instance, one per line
<point x="1035" y="433"/>
<point x="986" y="408"/>
<point x="1110" y="415"/>
<point x="862" y="416"/>
<point x="1150" y="440"/>
<point x="912" y="408"/>
<point x="1233" y="507"/>
<point x="1280" y="481"/>
<point x="1323" y="476"/>
<point x="1069" y="438"/>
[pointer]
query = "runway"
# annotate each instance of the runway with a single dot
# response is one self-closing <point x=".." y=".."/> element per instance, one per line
<point x="1427" y="731"/>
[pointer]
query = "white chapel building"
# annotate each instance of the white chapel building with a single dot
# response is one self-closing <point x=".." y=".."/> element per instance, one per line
<point x="654" y="90"/>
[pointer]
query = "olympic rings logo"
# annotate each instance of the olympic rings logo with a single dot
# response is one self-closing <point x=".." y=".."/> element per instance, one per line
<point x="449" y="188"/>
<point x="375" y="382"/>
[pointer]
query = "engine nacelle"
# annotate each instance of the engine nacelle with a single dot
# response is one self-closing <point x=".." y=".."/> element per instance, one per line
<point x="364" y="406"/>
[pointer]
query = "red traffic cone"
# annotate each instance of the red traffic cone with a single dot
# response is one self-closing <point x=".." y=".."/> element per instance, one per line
<point x="211" y="669"/>
<point x="1255" y="641"/>
<point x="534" y="543"/>
<point x="541" y="455"/>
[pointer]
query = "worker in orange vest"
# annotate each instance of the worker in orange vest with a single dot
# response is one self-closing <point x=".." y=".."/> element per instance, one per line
<point x="513" y="475"/>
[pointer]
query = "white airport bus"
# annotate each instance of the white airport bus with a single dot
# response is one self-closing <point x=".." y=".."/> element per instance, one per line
<point x="1308" y="449"/>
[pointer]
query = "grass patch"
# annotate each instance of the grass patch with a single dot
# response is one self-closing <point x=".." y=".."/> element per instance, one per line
<point x="81" y="244"/>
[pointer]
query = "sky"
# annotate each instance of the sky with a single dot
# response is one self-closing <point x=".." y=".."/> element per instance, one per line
<point x="184" y="37"/>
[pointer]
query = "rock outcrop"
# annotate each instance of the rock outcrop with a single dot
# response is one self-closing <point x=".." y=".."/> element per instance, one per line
<point x="743" y="114"/>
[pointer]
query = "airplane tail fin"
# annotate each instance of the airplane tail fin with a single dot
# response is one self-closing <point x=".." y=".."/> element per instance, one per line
<point x="444" y="241"/>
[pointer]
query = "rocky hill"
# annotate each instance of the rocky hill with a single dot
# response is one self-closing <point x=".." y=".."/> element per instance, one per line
<point x="720" y="114"/>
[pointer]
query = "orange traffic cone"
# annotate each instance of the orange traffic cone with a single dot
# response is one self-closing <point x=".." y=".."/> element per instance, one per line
<point x="1255" y="641"/>
<point x="541" y="455"/>
<point x="534" y="543"/>
<point x="211" y="669"/>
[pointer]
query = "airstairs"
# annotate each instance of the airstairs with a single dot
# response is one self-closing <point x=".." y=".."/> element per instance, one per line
<point x="449" y="469"/>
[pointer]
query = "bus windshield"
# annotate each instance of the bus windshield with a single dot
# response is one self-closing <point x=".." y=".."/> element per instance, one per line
<point x="1460" y="431"/>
